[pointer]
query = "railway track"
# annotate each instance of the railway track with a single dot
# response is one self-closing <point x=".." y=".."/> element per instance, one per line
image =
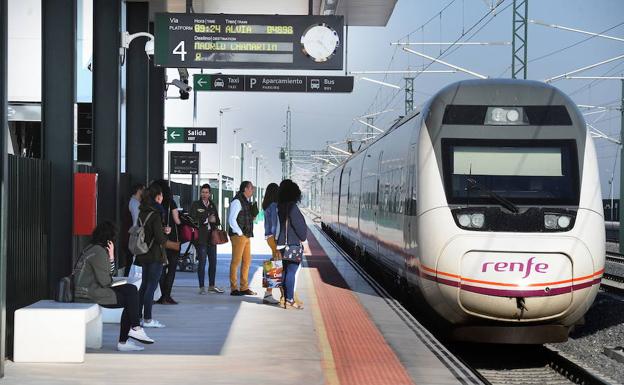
<point x="502" y="365"/>
<point x="615" y="257"/>
<point x="613" y="283"/>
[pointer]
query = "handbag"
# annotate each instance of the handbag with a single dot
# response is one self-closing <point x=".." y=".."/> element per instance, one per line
<point x="188" y="233"/>
<point x="292" y="253"/>
<point x="218" y="236"/>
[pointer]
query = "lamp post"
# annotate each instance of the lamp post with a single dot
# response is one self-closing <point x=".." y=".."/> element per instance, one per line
<point x="220" y="176"/>
<point x="256" y="182"/>
<point x="234" y="157"/>
<point x="242" y="159"/>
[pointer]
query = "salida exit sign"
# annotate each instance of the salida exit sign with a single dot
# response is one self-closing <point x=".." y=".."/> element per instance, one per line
<point x="191" y="134"/>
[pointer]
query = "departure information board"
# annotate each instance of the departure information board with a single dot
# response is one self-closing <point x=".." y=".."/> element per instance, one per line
<point x="194" y="40"/>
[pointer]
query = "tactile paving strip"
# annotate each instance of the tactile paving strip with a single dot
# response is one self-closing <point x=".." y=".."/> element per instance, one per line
<point x="360" y="353"/>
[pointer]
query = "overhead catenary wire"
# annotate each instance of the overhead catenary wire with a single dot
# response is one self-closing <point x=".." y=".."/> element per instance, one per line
<point x="564" y="48"/>
<point x="391" y="100"/>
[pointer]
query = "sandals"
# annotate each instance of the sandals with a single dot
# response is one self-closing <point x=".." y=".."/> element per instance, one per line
<point x="292" y="305"/>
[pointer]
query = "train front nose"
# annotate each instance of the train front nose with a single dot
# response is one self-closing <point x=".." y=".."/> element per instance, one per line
<point x="534" y="282"/>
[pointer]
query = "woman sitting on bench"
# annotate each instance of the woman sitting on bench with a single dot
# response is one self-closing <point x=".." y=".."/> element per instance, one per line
<point x="93" y="280"/>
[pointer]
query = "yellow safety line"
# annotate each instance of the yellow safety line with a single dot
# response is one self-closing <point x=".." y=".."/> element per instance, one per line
<point x="327" y="357"/>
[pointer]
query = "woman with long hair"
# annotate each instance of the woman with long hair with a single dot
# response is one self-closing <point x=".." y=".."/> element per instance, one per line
<point x="205" y="214"/>
<point x="269" y="205"/>
<point x="170" y="219"/>
<point x="293" y="231"/>
<point x="152" y="261"/>
<point x="93" y="283"/>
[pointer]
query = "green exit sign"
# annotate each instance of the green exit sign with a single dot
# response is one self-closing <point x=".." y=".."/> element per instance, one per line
<point x="192" y="135"/>
<point x="175" y="135"/>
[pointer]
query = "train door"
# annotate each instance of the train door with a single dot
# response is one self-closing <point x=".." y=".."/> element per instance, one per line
<point x="377" y="212"/>
<point x="330" y="198"/>
<point x="361" y="198"/>
<point x="343" y="208"/>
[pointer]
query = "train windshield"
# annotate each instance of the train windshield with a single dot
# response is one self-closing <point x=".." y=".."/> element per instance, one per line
<point x="525" y="172"/>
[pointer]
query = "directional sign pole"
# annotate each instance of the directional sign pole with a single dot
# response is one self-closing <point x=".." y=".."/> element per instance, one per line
<point x="194" y="189"/>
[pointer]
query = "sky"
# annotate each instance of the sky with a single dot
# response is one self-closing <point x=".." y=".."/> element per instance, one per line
<point x="321" y="119"/>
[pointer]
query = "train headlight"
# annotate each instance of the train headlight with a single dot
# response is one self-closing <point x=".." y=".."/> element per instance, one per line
<point x="464" y="220"/>
<point x="550" y="221"/>
<point x="505" y="115"/>
<point x="564" y="221"/>
<point x="471" y="221"/>
<point x="477" y="220"/>
<point x="557" y="221"/>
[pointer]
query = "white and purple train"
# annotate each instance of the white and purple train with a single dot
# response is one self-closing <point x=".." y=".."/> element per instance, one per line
<point x="487" y="200"/>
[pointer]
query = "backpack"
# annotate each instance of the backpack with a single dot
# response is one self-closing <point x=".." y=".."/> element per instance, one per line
<point x="136" y="243"/>
<point x="65" y="288"/>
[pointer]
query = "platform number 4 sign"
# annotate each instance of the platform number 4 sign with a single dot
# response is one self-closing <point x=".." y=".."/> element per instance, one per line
<point x="179" y="50"/>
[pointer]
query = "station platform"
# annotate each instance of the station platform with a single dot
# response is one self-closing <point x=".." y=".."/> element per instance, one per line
<point x="350" y="332"/>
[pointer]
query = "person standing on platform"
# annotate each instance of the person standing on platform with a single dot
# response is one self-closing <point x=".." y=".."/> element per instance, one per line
<point x="241" y="219"/>
<point x="93" y="283"/>
<point x="133" y="208"/>
<point x="135" y="202"/>
<point x="152" y="262"/>
<point x="293" y="231"/>
<point x="171" y="220"/>
<point x="204" y="212"/>
<point x="269" y="205"/>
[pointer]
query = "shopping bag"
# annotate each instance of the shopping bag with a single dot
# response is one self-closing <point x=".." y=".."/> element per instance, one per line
<point x="271" y="274"/>
<point x="135" y="275"/>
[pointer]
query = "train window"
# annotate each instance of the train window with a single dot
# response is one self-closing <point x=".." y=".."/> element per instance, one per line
<point x="531" y="115"/>
<point x="543" y="172"/>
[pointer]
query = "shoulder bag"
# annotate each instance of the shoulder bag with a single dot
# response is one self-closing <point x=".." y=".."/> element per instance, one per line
<point x="292" y="253"/>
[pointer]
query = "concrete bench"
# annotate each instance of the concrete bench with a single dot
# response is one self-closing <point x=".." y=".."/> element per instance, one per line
<point x="49" y="331"/>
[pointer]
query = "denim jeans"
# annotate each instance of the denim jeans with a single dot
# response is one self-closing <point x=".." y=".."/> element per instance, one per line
<point x="289" y="274"/>
<point x="211" y="252"/>
<point x="149" y="282"/>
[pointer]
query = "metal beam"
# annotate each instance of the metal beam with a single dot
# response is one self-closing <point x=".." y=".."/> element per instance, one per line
<point x="3" y="174"/>
<point x="106" y="105"/>
<point x="58" y="94"/>
<point x="567" y="74"/>
<point x="409" y="95"/>
<point x="156" y="128"/>
<point x="445" y="63"/>
<point x="137" y="95"/>
<point x="519" y="42"/>
<point x="576" y="30"/>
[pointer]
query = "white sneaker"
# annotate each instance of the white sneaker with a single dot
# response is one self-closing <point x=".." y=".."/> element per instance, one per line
<point x="139" y="335"/>
<point x="269" y="300"/>
<point x="129" y="346"/>
<point x="152" y="324"/>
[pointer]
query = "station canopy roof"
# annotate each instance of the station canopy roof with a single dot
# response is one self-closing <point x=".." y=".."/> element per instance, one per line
<point x="369" y="13"/>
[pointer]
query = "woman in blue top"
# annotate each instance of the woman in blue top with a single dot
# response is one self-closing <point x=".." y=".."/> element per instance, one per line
<point x="269" y="205"/>
<point x="293" y="231"/>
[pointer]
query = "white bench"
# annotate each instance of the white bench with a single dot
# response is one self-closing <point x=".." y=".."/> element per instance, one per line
<point x="49" y="331"/>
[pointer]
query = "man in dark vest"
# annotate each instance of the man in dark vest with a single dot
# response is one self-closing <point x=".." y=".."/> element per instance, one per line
<point x="242" y="215"/>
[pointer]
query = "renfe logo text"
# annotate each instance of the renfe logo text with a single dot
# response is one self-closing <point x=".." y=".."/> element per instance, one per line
<point x="528" y="268"/>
